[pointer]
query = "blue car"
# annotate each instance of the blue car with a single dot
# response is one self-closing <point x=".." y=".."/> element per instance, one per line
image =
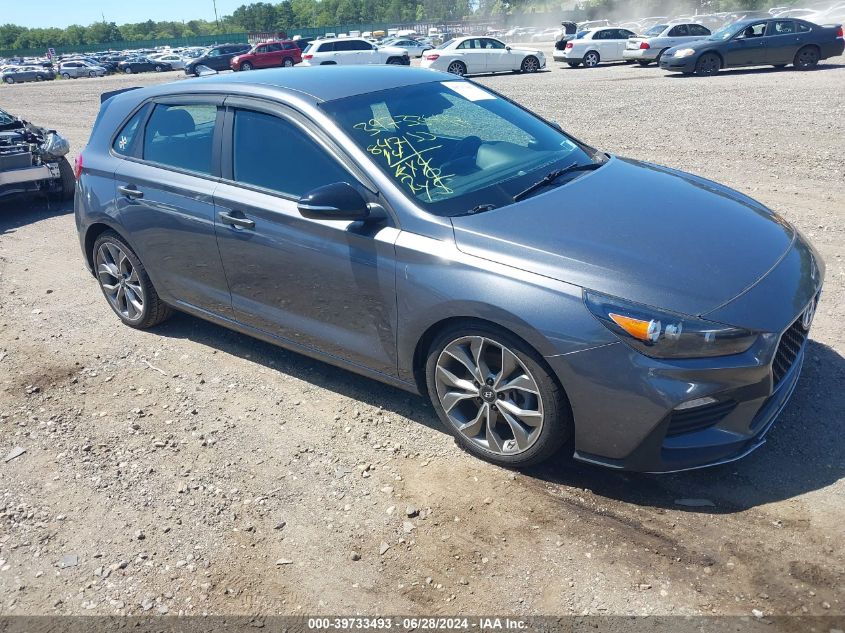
<point x="424" y="231"/>
<point x="772" y="42"/>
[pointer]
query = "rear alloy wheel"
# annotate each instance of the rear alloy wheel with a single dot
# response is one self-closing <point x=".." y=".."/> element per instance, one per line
<point x="495" y="396"/>
<point x="807" y="58"/>
<point x="457" y="68"/>
<point x="125" y="283"/>
<point x="591" y="59"/>
<point x="288" y="63"/>
<point x="708" y="65"/>
<point x="246" y="66"/>
<point x="530" y="64"/>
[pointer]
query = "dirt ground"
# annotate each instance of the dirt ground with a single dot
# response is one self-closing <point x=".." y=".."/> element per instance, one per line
<point x="189" y="469"/>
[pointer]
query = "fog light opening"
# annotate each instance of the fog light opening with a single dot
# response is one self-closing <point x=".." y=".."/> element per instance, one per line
<point x="697" y="402"/>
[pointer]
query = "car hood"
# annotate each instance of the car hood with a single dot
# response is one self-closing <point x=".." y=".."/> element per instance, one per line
<point x="639" y="231"/>
<point x="695" y="45"/>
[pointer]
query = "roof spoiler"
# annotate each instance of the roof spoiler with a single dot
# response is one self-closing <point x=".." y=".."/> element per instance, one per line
<point x="113" y="93"/>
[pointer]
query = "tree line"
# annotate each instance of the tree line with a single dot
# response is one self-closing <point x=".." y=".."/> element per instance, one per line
<point x="289" y="15"/>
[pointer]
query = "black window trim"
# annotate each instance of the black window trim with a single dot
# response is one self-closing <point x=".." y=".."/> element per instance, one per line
<point x="181" y="99"/>
<point x="771" y="27"/>
<point x="299" y="121"/>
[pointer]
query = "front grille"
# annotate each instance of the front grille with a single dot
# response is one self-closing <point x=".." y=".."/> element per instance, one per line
<point x="788" y="349"/>
<point x="699" y="418"/>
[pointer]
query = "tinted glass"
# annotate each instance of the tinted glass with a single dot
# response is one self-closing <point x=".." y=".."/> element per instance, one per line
<point x="679" y="31"/>
<point x="803" y="28"/>
<point x="781" y="27"/>
<point x="124" y="141"/>
<point x="181" y="136"/>
<point x="297" y="165"/>
<point x="752" y="30"/>
<point x="361" y="45"/>
<point x="490" y="43"/>
<point x="452" y="145"/>
<point x="657" y="29"/>
<point x="326" y="47"/>
<point x="697" y="29"/>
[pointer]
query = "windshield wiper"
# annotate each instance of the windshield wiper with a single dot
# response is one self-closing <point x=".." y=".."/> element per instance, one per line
<point x="554" y="175"/>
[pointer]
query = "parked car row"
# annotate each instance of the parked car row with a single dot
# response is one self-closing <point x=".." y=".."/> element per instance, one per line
<point x="691" y="48"/>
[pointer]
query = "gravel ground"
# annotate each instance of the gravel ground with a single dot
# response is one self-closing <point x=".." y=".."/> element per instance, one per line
<point x="193" y="470"/>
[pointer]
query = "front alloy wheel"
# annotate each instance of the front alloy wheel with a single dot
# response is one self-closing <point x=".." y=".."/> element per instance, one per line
<point x="496" y="399"/>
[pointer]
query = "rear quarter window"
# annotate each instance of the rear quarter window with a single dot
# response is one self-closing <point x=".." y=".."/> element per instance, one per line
<point x="125" y="141"/>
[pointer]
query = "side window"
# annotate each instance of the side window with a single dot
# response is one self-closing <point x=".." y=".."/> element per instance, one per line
<point x="181" y="136"/>
<point x="679" y="31"/>
<point x="491" y="43"/>
<point x="754" y="30"/>
<point x="289" y="47"/>
<point x="465" y="44"/>
<point x="804" y="28"/>
<point x="274" y="47"/>
<point x="361" y="45"/>
<point x="344" y="45"/>
<point x="782" y="27"/>
<point x="261" y="49"/>
<point x="307" y="166"/>
<point x="697" y="29"/>
<point x="327" y="47"/>
<point x="124" y="142"/>
<point x="214" y="52"/>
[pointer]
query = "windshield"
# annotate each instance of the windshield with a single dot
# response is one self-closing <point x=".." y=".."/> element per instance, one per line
<point x="726" y="32"/>
<point x="451" y="145"/>
<point x="657" y="29"/>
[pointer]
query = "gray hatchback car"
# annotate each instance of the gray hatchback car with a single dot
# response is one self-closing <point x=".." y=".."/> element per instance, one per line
<point x="429" y="233"/>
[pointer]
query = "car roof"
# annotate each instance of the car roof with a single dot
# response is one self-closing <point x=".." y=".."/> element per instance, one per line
<point x="322" y="83"/>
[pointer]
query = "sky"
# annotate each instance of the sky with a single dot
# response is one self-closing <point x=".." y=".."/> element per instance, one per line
<point x="61" y="13"/>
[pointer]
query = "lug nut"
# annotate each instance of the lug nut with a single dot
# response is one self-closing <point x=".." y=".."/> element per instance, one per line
<point x="490" y="381"/>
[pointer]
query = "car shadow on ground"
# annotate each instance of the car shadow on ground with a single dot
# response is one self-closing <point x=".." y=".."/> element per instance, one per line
<point x="301" y="367"/>
<point x="805" y="451"/>
<point x="761" y="70"/>
<point x="20" y="211"/>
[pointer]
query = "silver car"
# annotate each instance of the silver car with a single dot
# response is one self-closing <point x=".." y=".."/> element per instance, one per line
<point x="22" y="74"/>
<point x="648" y="48"/>
<point x="74" y="69"/>
<point x="413" y="47"/>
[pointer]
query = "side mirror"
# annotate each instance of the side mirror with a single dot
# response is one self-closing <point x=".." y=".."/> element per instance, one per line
<point x="337" y="201"/>
<point x="556" y="126"/>
<point x="507" y="48"/>
<point x="205" y="71"/>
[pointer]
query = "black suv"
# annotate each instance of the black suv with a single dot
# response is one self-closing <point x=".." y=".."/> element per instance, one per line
<point x="217" y="58"/>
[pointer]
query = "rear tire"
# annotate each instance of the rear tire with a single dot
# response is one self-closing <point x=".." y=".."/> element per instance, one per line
<point x="574" y="64"/>
<point x="592" y="59"/>
<point x="65" y="76"/>
<point x="644" y="62"/>
<point x="708" y="65"/>
<point x="128" y="70"/>
<point x="158" y="68"/>
<point x="109" y="247"/>
<point x="395" y="61"/>
<point x="68" y="179"/>
<point x="807" y="58"/>
<point x="288" y="63"/>
<point x="541" y="440"/>
<point x="457" y="68"/>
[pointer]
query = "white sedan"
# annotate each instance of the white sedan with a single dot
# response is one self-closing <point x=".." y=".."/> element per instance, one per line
<point x="177" y="62"/>
<point x="470" y="55"/>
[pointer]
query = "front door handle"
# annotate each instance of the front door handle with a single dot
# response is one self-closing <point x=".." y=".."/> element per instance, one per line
<point x="231" y="220"/>
<point x="130" y="192"/>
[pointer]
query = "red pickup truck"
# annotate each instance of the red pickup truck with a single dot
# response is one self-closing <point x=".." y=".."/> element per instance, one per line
<point x="268" y="55"/>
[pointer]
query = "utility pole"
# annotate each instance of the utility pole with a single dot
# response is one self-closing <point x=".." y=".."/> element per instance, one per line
<point x="216" y="19"/>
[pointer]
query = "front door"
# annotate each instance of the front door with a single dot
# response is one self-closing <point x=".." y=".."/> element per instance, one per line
<point x="748" y="47"/>
<point x="325" y="285"/>
<point x="164" y="197"/>
<point x="498" y="56"/>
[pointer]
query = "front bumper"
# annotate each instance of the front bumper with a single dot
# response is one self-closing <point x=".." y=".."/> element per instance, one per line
<point x="624" y="404"/>
<point x="678" y="64"/>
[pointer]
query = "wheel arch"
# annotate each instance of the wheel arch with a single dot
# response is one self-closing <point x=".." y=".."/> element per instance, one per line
<point x="95" y="230"/>
<point x="427" y="338"/>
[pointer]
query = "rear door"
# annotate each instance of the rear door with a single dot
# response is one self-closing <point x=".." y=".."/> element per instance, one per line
<point x="164" y="198"/>
<point x="473" y="55"/>
<point x="782" y="42"/>
<point x="273" y="56"/>
<point x="321" y="284"/>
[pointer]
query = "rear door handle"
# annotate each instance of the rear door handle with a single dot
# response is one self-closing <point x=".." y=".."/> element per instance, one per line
<point x="130" y="192"/>
<point x="231" y="220"/>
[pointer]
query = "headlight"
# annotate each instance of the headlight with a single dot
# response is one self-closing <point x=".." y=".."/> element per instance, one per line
<point x="662" y="334"/>
<point x="684" y="52"/>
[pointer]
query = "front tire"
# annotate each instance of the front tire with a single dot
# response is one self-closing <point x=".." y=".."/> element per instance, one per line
<point x="530" y="64"/>
<point x="457" y="68"/>
<point x="644" y="62"/>
<point x="68" y="179"/>
<point x="128" y="70"/>
<point x="708" y="65"/>
<point x="246" y="66"/>
<point x="807" y="58"/>
<point x="10" y="80"/>
<point x="592" y="59"/>
<point x="158" y="68"/>
<point x="395" y="61"/>
<point x="125" y="283"/>
<point x="496" y="395"/>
